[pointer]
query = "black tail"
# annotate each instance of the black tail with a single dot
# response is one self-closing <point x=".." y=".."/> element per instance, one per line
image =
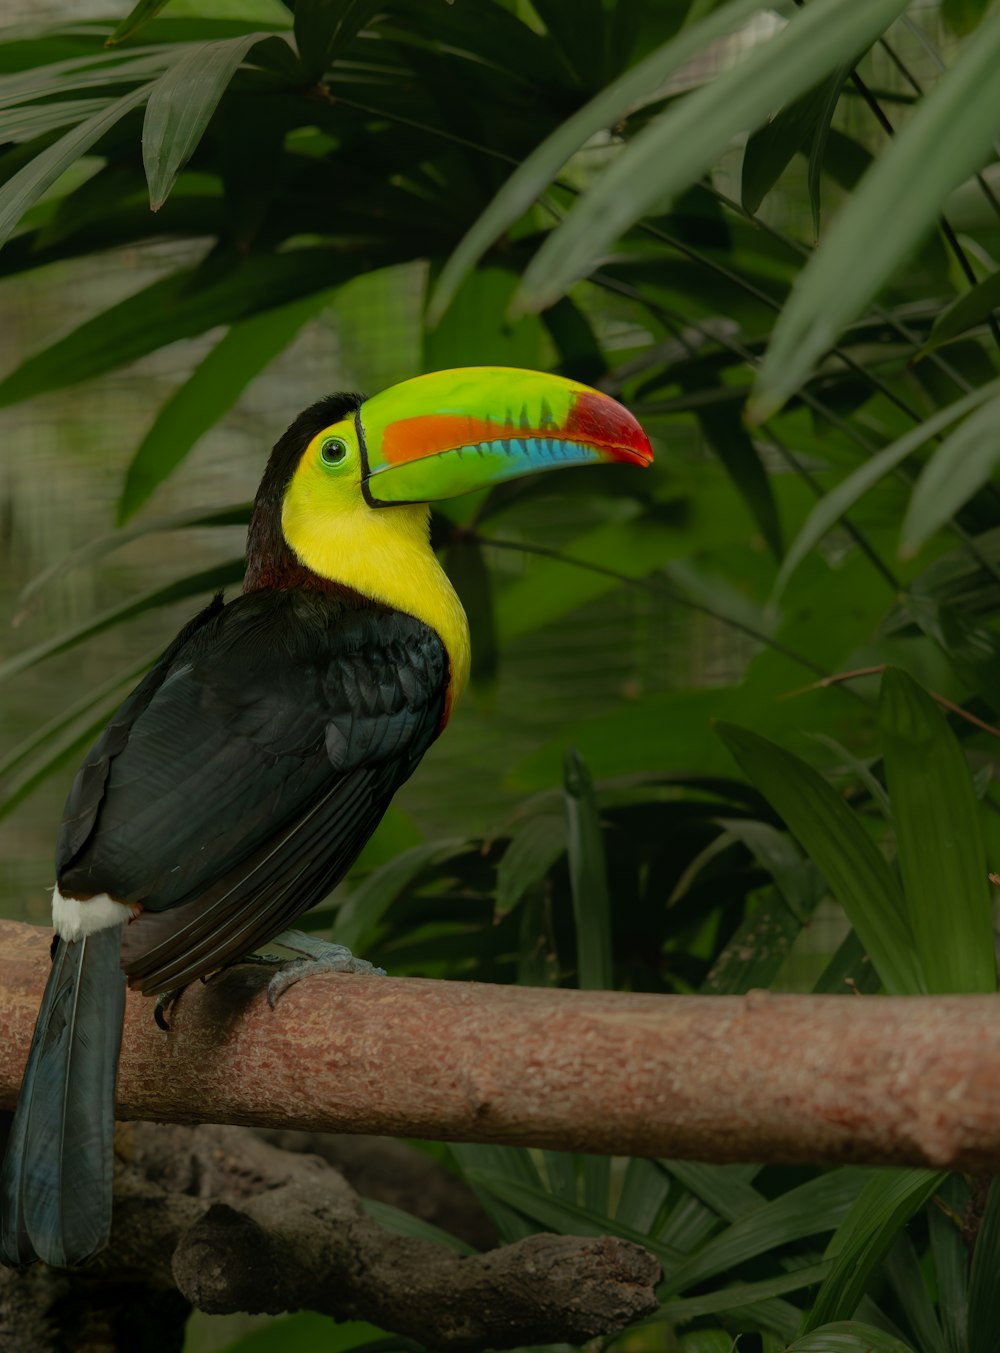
<point x="55" y="1190"/>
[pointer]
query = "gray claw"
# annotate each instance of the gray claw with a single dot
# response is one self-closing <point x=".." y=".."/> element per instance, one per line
<point x="336" y="958"/>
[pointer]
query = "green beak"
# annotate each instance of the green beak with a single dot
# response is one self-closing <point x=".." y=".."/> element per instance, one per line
<point x="452" y="432"/>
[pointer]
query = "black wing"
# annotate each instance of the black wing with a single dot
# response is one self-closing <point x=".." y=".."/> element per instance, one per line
<point x="239" y="782"/>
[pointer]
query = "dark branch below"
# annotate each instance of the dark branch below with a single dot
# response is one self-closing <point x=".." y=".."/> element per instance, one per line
<point x="216" y="1218"/>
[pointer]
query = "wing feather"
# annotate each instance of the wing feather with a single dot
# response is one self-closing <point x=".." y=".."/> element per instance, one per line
<point x="243" y="785"/>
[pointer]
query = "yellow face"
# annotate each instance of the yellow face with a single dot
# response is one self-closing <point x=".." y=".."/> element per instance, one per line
<point x="383" y="553"/>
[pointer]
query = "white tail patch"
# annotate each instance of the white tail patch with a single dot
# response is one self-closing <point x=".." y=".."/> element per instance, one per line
<point x="73" y="919"/>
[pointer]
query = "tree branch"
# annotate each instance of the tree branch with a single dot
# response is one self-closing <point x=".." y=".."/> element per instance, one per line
<point x="877" y="1080"/>
<point x="217" y="1218"/>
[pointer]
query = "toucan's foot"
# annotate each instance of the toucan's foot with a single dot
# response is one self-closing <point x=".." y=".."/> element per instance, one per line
<point x="320" y="956"/>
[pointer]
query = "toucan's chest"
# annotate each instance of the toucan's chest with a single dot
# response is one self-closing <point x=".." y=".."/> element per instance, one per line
<point x="385" y="557"/>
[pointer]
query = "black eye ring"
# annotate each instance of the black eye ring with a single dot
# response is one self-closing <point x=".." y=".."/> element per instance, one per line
<point x="333" y="451"/>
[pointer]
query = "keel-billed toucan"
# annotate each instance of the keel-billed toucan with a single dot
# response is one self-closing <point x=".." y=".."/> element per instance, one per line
<point x="239" y="781"/>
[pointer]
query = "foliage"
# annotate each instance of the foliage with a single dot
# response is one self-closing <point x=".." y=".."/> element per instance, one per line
<point x="630" y="193"/>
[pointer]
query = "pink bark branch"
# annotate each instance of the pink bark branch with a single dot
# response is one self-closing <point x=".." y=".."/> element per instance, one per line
<point x="876" y="1080"/>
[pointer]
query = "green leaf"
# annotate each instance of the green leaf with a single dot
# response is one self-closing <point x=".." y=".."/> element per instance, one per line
<point x="942" y="856"/>
<point x="475" y="332"/>
<point x="724" y="1188"/>
<point x="729" y="439"/>
<point x="364" y="908"/>
<point x="63" y="750"/>
<point x="974" y="650"/>
<point x="645" y="1189"/>
<point x="707" y="1341"/>
<point x="757" y="948"/>
<point x="536" y="843"/>
<point x="136" y="18"/>
<point x="962" y="16"/>
<point x="863" y="1239"/>
<point x="211" y="389"/>
<point x="977" y="304"/>
<point x="673" y="151"/>
<point x="949" y="136"/>
<point x="307" y="1331"/>
<point x="984" y="1289"/>
<point x="180" y="106"/>
<point x="833" y="505"/>
<point x="951" y="1262"/>
<point x="848" y="972"/>
<point x="821" y="137"/>
<point x="741" y="1294"/>
<point x="210" y="580"/>
<point x="28" y="184"/>
<point x="807" y="1210"/>
<point x="98" y="546"/>
<point x="561" y="1215"/>
<point x="770" y="149"/>
<point x="845" y="854"/>
<point x="849" y="1336"/>
<point x="178" y="306"/>
<point x="56" y="739"/>
<point x="588" y="878"/>
<point x="402" y="1223"/>
<point x="489" y="1171"/>
<point x="23" y="124"/>
<point x="322" y="27"/>
<point x="538" y="169"/>
<point x="960" y="466"/>
<point x="902" y="1268"/>
<point x="580" y="354"/>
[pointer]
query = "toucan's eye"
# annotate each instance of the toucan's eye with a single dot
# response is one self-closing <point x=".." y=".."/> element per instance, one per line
<point x="333" y="451"/>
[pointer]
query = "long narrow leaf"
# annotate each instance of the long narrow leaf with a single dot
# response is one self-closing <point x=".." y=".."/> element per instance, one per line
<point x="962" y="464"/>
<point x="180" y="105"/>
<point x="865" y="1236"/>
<point x="808" y="1210"/>
<point x="139" y="15"/>
<point x="843" y="851"/>
<point x="741" y="1294"/>
<point x="849" y="1336"/>
<point x="984" y="1289"/>
<point x="535" y="174"/>
<point x="829" y="510"/>
<point x="951" y="1261"/>
<point x="211" y="389"/>
<point x="28" y="184"/>
<point x="366" y="905"/>
<point x="939" y="838"/>
<point x="949" y="136"/>
<point x="907" y="1280"/>
<point x="975" y="306"/>
<point x="675" y="149"/>
<point x="563" y="1216"/>
<point x="222" y="575"/>
<point x="185" y="303"/>
<point x="98" y="546"/>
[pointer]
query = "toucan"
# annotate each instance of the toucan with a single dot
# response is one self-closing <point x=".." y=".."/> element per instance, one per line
<point x="239" y="781"/>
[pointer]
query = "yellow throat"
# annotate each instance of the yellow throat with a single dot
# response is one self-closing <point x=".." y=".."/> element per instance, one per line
<point x="383" y="553"/>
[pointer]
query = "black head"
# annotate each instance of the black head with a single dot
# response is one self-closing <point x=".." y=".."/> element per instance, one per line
<point x="270" y="563"/>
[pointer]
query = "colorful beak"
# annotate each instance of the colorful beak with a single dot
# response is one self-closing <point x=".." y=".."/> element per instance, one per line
<point x="452" y="432"/>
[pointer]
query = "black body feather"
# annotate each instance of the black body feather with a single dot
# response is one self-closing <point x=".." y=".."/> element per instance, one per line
<point x="234" y="787"/>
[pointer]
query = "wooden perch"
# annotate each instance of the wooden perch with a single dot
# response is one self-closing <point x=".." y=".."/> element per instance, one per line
<point x="865" y="1079"/>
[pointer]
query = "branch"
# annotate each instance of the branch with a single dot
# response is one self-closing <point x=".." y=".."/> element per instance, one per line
<point x="217" y="1218"/>
<point x="876" y="1080"/>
